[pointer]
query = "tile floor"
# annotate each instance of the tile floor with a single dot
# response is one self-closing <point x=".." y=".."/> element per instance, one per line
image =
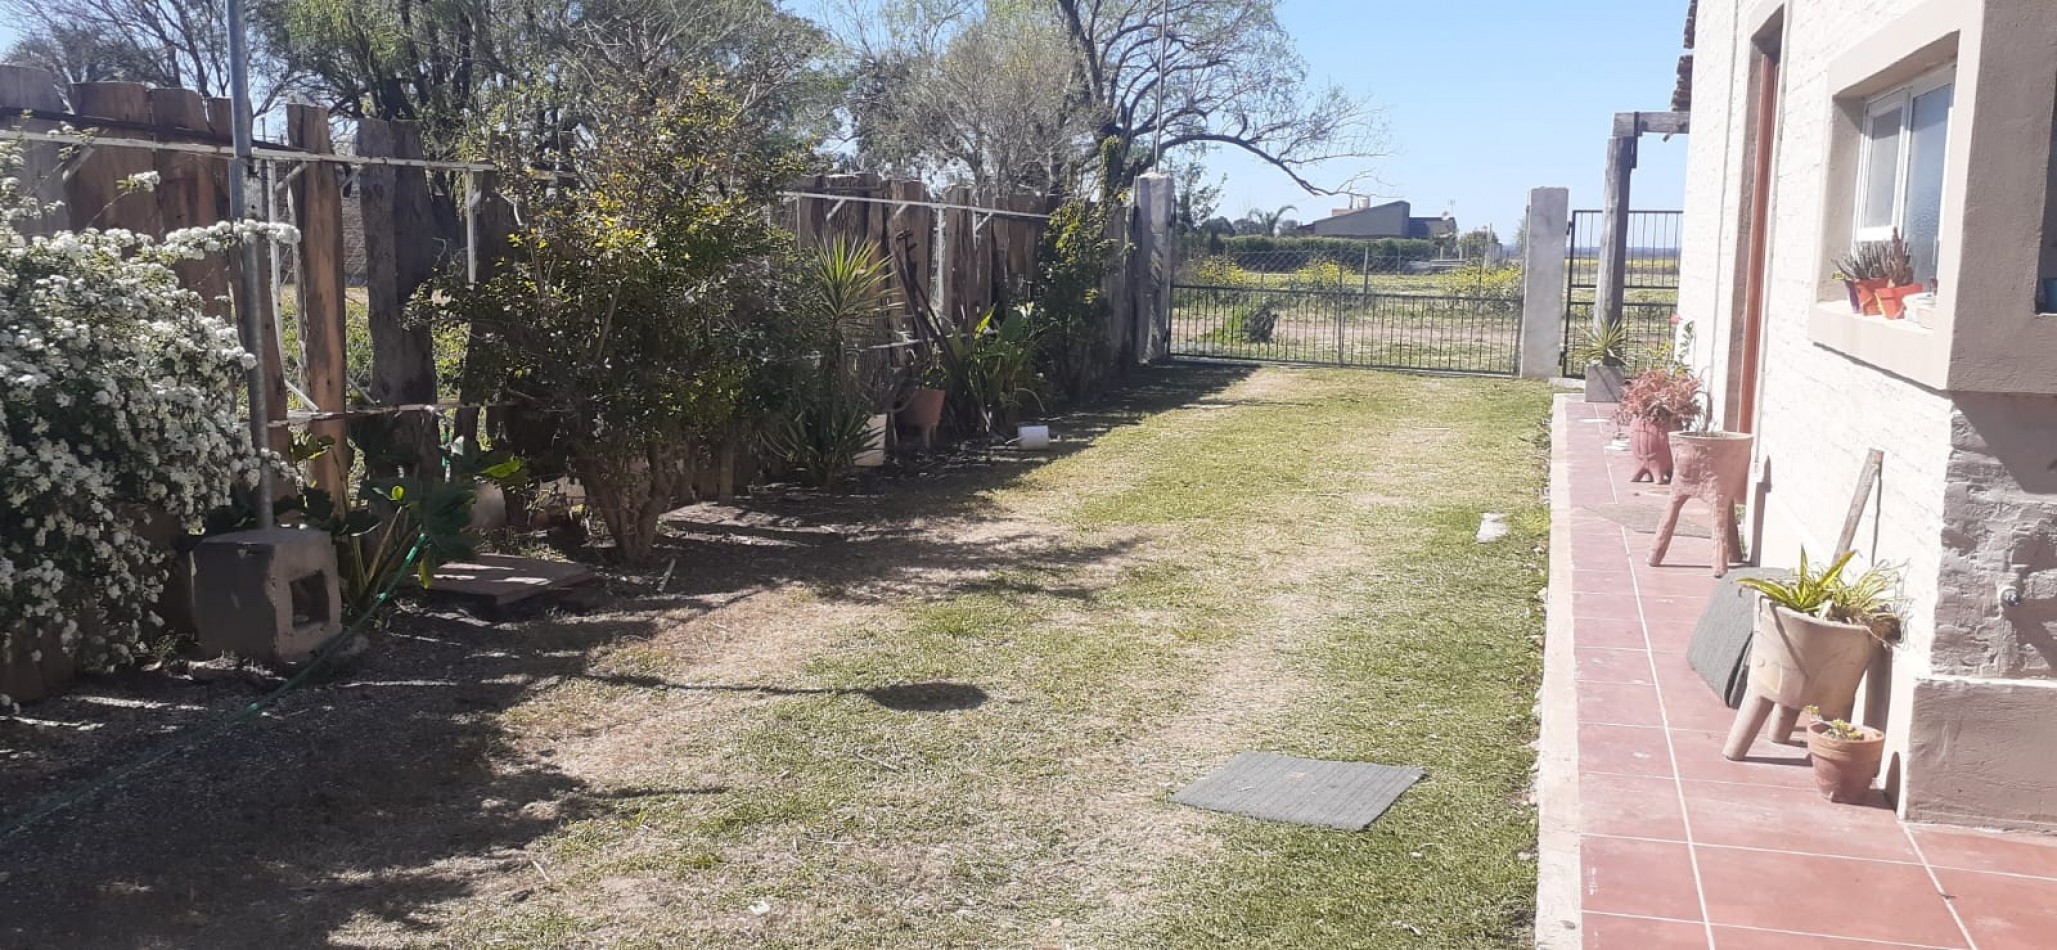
<point x="1678" y="847"/>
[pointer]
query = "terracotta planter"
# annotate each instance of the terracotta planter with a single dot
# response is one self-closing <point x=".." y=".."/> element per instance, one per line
<point x="924" y="409"/>
<point x="1713" y="467"/>
<point x="1799" y="661"/>
<point x="1844" y="768"/>
<point x="1867" y="293"/>
<point x="1892" y="301"/>
<point x="1651" y="442"/>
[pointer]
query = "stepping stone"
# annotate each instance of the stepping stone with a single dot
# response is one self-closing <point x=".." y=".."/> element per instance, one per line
<point x="498" y="580"/>
<point x="1347" y="796"/>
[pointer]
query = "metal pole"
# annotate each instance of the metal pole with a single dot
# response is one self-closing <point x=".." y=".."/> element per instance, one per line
<point x="248" y="320"/>
<point x="1163" y="52"/>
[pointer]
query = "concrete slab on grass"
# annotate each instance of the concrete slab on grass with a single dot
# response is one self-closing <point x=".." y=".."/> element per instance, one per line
<point x="1348" y="796"/>
<point x="499" y="580"/>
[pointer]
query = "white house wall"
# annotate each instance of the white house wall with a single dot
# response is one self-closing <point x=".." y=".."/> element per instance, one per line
<point x="1952" y="508"/>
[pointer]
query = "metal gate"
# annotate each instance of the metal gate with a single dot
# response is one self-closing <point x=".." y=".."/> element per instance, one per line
<point x="1336" y="303"/>
<point x="1650" y="297"/>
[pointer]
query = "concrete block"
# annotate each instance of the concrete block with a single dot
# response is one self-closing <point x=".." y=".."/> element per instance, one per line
<point x="269" y="595"/>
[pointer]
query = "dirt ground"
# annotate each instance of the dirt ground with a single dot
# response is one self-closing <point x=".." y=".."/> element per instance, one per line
<point x="944" y="712"/>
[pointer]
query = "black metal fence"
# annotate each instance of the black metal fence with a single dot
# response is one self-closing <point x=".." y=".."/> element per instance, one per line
<point x="1650" y="297"/>
<point x="1347" y="327"/>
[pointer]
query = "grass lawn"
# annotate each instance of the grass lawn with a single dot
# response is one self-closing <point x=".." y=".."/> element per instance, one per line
<point x="1287" y="564"/>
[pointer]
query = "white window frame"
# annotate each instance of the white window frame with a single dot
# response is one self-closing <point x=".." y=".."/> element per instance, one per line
<point x="1903" y="98"/>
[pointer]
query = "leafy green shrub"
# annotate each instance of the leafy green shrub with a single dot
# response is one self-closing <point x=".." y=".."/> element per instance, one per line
<point x="1320" y="275"/>
<point x="1071" y="314"/>
<point x="650" y="310"/>
<point x="1255" y="323"/>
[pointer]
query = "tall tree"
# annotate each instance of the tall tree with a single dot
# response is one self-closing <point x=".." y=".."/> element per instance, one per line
<point x="1163" y="74"/>
<point x="183" y="43"/>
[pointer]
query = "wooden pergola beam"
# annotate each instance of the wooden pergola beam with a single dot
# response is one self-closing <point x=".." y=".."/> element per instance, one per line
<point x="1621" y="166"/>
<point x="1631" y="124"/>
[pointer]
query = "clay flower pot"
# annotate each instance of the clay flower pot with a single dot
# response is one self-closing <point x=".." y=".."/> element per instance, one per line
<point x="1651" y="442"/>
<point x="1867" y="294"/>
<point x="1892" y="301"/>
<point x="924" y="409"/>
<point x="1843" y="768"/>
<point x="1799" y="661"/>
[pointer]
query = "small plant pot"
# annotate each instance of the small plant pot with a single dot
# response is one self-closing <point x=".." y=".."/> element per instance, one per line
<point x="1604" y="382"/>
<point x="1799" y="661"/>
<point x="1844" y="768"/>
<point x="924" y="409"/>
<point x="1892" y="301"/>
<point x="1856" y="301"/>
<point x="1651" y="442"/>
<point x="1867" y="294"/>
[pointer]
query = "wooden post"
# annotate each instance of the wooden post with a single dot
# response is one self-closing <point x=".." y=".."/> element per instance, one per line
<point x="318" y="201"/>
<point x="1613" y="282"/>
<point x="96" y="188"/>
<point x="187" y="194"/>
<point x="42" y="174"/>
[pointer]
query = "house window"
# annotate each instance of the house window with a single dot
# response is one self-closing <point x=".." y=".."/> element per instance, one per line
<point x="1900" y="185"/>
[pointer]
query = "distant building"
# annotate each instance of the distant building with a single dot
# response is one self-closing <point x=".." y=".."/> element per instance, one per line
<point x="1394" y="219"/>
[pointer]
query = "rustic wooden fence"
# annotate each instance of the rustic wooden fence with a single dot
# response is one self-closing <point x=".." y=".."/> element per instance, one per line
<point x="85" y="142"/>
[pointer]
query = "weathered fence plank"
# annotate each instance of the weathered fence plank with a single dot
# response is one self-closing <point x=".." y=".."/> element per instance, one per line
<point x="318" y="203"/>
<point x="23" y="88"/>
<point x="98" y="189"/>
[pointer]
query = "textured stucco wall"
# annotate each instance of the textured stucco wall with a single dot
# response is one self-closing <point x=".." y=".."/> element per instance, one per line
<point x="1966" y="492"/>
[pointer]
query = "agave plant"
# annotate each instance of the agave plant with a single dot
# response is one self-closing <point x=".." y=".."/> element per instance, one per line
<point x="1605" y="343"/>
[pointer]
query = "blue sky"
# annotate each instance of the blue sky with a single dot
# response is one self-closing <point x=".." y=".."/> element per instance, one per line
<point x="1485" y="99"/>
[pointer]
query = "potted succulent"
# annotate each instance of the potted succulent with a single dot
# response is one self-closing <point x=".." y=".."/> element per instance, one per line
<point x="1844" y="757"/>
<point x="1900" y="282"/>
<point x="1603" y="349"/>
<point x="1864" y="272"/>
<point x="1655" y="404"/>
<point x="1815" y="634"/>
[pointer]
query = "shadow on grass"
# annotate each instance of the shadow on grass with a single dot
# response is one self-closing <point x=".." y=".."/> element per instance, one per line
<point x="387" y="786"/>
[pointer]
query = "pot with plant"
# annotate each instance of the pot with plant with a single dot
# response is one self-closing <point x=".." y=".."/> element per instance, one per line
<point x="922" y="409"/>
<point x="1655" y="404"/>
<point x="1900" y="283"/>
<point x="1864" y="272"/>
<point x="1814" y="638"/>
<point x="1713" y="466"/>
<point x="1845" y="757"/>
<point x="1603" y="349"/>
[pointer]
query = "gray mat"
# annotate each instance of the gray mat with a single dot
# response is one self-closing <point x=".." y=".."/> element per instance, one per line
<point x="1343" y="795"/>
<point x="1642" y="518"/>
<point x="1720" y="651"/>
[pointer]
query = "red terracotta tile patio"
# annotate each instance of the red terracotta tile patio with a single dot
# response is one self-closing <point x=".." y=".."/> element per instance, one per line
<point x="1660" y="830"/>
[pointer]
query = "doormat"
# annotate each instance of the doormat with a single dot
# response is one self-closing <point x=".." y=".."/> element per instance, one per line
<point x="1643" y="518"/>
<point x="1348" y="796"/>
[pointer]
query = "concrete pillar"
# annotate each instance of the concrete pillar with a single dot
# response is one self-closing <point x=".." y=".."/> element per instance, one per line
<point x="1545" y="242"/>
<point x="1152" y="263"/>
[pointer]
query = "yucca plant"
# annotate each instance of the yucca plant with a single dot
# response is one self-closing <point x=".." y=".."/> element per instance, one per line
<point x="1807" y="593"/>
<point x="1605" y="343"/>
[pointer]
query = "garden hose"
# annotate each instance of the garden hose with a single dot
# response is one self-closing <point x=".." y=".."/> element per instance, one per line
<point x="61" y="802"/>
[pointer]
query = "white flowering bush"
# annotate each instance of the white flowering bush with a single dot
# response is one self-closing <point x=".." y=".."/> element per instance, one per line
<point x="118" y="402"/>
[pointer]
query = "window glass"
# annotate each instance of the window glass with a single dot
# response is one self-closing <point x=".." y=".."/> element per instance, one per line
<point x="1882" y="168"/>
<point x="1929" y="128"/>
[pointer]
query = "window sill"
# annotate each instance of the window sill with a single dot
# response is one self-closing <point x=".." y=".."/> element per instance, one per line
<point x="1901" y="347"/>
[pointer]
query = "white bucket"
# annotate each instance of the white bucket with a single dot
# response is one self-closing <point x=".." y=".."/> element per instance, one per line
<point x="874" y="454"/>
<point x="1034" y="438"/>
